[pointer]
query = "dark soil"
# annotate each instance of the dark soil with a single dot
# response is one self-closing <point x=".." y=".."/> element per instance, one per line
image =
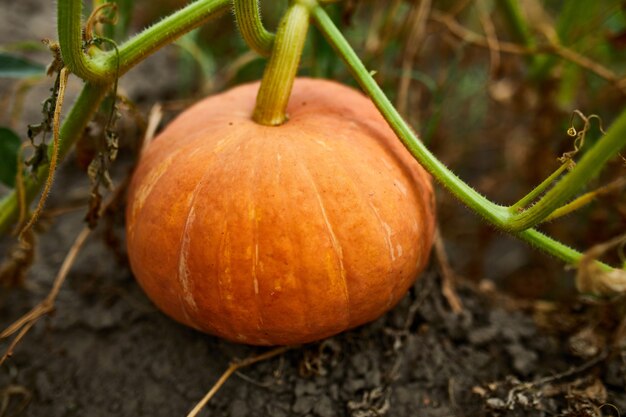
<point x="107" y="351"/>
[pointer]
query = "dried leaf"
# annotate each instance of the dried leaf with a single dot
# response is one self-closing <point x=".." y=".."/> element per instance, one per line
<point x="591" y="278"/>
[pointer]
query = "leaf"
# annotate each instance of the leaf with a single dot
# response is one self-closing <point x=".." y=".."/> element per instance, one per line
<point x="9" y="147"/>
<point x="13" y="66"/>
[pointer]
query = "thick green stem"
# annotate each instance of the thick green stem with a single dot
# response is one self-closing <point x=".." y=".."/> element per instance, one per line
<point x="102" y="67"/>
<point x="83" y="109"/>
<point x="497" y="215"/>
<point x="165" y="32"/>
<point x="535" y="192"/>
<point x="554" y="247"/>
<point x="70" y="31"/>
<point x="590" y="165"/>
<point x="273" y="97"/>
<point x="251" y="27"/>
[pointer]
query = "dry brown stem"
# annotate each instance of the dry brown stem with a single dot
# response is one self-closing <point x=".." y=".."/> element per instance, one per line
<point x="21" y="326"/>
<point x="24" y="324"/>
<point x="458" y="7"/>
<point x="99" y="16"/>
<point x="413" y="44"/>
<point x="381" y="34"/>
<point x="591" y="279"/>
<point x="19" y="258"/>
<point x="232" y="368"/>
<point x="372" y="40"/>
<point x="491" y="37"/>
<point x="553" y="48"/>
<point x="448" y="278"/>
<point x="14" y="391"/>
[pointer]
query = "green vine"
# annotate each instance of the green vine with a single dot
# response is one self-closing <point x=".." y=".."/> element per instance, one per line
<point x="101" y="68"/>
<point x="98" y="170"/>
<point x="502" y="217"/>
<point x="279" y="75"/>
<point x="251" y="28"/>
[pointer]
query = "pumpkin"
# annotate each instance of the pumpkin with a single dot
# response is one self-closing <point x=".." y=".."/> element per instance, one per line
<point x="279" y="235"/>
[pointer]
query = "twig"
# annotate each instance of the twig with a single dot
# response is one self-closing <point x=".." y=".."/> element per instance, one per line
<point x="567" y="54"/>
<point x="590" y="279"/>
<point x="570" y="372"/>
<point x="372" y="39"/>
<point x="98" y="16"/>
<point x="253" y="381"/>
<point x="415" y="40"/>
<point x="381" y="34"/>
<point x="491" y="37"/>
<point x="474" y="38"/>
<point x="23" y="325"/>
<point x="519" y="388"/>
<point x="459" y="6"/>
<point x="447" y="275"/>
<point x="5" y="398"/>
<point x="232" y="368"/>
<point x="72" y="206"/>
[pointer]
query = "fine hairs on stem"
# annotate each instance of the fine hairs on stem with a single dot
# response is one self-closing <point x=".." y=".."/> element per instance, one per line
<point x="499" y="216"/>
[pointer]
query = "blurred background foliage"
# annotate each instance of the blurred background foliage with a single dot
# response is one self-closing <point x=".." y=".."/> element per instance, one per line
<point x="489" y="85"/>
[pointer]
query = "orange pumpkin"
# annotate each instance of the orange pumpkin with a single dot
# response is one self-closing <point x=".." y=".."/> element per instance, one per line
<point x="279" y="235"/>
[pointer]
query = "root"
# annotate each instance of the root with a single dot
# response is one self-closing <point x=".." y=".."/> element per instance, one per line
<point x="24" y="324"/>
<point x="20" y="327"/>
<point x="232" y="368"/>
<point x="448" y="279"/>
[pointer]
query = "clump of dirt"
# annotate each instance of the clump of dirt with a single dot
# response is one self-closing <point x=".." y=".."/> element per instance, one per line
<point x="108" y="351"/>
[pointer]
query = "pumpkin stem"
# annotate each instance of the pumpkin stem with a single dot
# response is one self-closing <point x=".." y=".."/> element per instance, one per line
<point x="273" y="96"/>
<point x="251" y="27"/>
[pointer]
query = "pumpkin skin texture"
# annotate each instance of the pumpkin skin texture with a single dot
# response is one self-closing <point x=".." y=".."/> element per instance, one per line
<point x="279" y="235"/>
